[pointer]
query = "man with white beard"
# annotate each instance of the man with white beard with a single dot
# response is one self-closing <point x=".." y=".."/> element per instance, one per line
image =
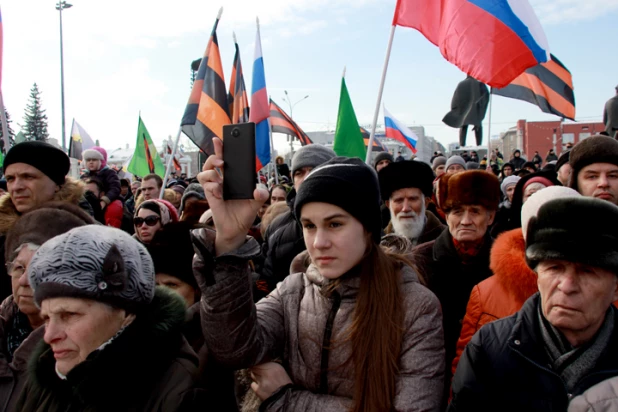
<point x="406" y="188"/>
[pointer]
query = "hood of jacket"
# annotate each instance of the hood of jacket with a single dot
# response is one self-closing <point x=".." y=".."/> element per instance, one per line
<point x="508" y="263"/>
<point x="71" y="191"/>
<point x="127" y="368"/>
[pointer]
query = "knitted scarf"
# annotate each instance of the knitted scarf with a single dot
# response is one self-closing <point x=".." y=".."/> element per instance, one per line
<point x="573" y="364"/>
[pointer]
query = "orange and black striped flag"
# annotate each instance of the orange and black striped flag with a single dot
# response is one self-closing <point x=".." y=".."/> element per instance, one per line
<point x="377" y="145"/>
<point x="207" y="109"/>
<point x="280" y="122"/>
<point x="548" y="85"/>
<point x="237" y="97"/>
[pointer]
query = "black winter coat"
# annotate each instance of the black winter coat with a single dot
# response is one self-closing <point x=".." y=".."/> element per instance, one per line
<point x="148" y="367"/>
<point x="110" y="180"/>
<point x="452" y="283"/>
<point x="517" y="162"/>
<point x="469" y="104"/>
<point x="505" y="368"/>
<point x="283" y="241"/>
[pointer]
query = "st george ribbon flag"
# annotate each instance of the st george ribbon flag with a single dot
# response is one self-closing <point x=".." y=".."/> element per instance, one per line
<point x="80" y="141"/>
<point x="175" y="159"/>
<point x="260" y="110"/>
<point x="548" y="85"/>
<point x="400" y="132"/>
<point x="207" y="109"/>
<point x="493" y="41"/>
<point x="237" y="97"/>
<point x="280" y="122"/>
<point x="377" y="145"/>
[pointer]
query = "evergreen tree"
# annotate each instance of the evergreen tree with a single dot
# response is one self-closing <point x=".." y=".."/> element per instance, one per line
<point x="35" y="119"/>
<point x="10" y="129"/>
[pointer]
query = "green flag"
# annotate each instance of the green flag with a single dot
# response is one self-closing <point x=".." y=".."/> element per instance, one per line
<point x="348" y="137"/>
<point x="145" y="159"/>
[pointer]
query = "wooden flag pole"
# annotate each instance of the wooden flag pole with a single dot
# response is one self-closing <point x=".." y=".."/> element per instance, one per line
<point x="5" y="128"/>
<point x="169" y="163"/>
<point x="380" y="91"/>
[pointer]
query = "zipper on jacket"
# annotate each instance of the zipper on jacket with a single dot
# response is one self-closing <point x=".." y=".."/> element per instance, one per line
<point x="328" y="332"/>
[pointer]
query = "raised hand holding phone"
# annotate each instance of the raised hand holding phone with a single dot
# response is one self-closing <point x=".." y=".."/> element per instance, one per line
<point x="232" y="218"/>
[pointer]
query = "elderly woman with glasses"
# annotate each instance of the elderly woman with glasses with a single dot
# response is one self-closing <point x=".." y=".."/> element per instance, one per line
<point x="151" y="216"/>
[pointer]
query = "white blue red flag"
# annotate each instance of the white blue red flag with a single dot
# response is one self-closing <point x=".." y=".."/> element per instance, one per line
<point x="493" y="41"/>
<point x="400" y="132"/>
<point x="260" y="109"/>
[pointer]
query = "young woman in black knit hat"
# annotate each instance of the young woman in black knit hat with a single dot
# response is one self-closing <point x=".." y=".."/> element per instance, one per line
<point x="355" y="332"/>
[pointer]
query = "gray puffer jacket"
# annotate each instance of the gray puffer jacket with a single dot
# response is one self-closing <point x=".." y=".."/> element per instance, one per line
<point x="602" y="397"/>
<point x="293" y="324"/>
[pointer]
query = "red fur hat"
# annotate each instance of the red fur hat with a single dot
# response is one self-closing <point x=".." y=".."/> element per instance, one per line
<point x="473" y="187"/>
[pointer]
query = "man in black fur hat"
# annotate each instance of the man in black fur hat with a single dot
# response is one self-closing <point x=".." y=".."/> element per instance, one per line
<point x="406" y="187"/>
<point x="562" y="342"/>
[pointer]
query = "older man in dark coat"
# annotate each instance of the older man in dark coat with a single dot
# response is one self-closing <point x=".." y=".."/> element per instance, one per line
<point x="563" y="340"/>
<point x="459" y="258"/>
<point x="610" y="115"/>
<point x="468" y="107"/>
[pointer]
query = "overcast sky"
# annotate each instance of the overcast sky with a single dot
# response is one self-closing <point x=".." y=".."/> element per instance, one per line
<point x="125" y="57"/>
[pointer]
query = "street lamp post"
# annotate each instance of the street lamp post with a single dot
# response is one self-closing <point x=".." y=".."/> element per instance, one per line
<point x="287" y="99"/>
<point x="61" y="5"/>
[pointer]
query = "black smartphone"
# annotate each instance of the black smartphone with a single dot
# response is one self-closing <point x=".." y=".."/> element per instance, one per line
<point x="239" y="174"/>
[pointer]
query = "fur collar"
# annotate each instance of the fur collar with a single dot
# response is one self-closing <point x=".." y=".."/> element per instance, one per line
<point x="508" y="263"/>
<point x="71" y="191"/>
<point x="126" y="369"/>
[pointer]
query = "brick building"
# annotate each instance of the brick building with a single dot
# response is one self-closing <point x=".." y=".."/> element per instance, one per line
<point x="542" y="136"/>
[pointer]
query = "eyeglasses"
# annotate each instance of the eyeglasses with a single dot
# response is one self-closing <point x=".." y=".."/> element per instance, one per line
<point x="149" y="220"/>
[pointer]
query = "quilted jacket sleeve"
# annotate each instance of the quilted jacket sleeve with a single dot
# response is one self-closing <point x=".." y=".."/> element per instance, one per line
<point x="235" y="334"/>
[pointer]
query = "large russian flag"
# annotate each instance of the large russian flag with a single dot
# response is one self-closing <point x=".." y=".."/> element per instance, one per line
<point x="260" y="110"/>
<point x="493" y="41"/>
<point x="398" y="131"/>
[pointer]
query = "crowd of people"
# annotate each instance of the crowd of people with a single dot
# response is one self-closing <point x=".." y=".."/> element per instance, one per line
<point x="465" y="285"/>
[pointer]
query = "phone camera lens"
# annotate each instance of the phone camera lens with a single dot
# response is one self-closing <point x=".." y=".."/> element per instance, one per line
<point x="235" y="132"/>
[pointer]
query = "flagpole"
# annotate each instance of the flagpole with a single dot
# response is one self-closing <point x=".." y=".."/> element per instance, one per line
<point x="272" y="153"/>
<point x="5" y="128"/>
<point x="169" y="163"/>
<point x="380" y="91"/>
<point x="491" y="101"/>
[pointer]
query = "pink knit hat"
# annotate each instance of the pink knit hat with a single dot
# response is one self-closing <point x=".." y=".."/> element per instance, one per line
<point x="96" y="153"/>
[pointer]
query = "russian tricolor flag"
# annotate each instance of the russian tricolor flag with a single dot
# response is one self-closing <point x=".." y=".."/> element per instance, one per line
<point x="260" y="110"/>
<point x="493" y="41"/>
<point x="398" y="131"/>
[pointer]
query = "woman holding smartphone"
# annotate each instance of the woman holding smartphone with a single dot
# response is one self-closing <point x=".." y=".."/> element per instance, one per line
<point x="356" y="332"/>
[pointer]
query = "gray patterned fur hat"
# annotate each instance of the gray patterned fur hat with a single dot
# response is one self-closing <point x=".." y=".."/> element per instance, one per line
<point x="94" y="262"/>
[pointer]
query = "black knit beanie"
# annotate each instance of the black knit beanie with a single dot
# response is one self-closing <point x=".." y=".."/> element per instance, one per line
<point x="576" y="229"/>
<point x="382" y="156"/>
<point x="50" y="160"/>
<point x="595" y="149"/>
<point x="349" y="184"/>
